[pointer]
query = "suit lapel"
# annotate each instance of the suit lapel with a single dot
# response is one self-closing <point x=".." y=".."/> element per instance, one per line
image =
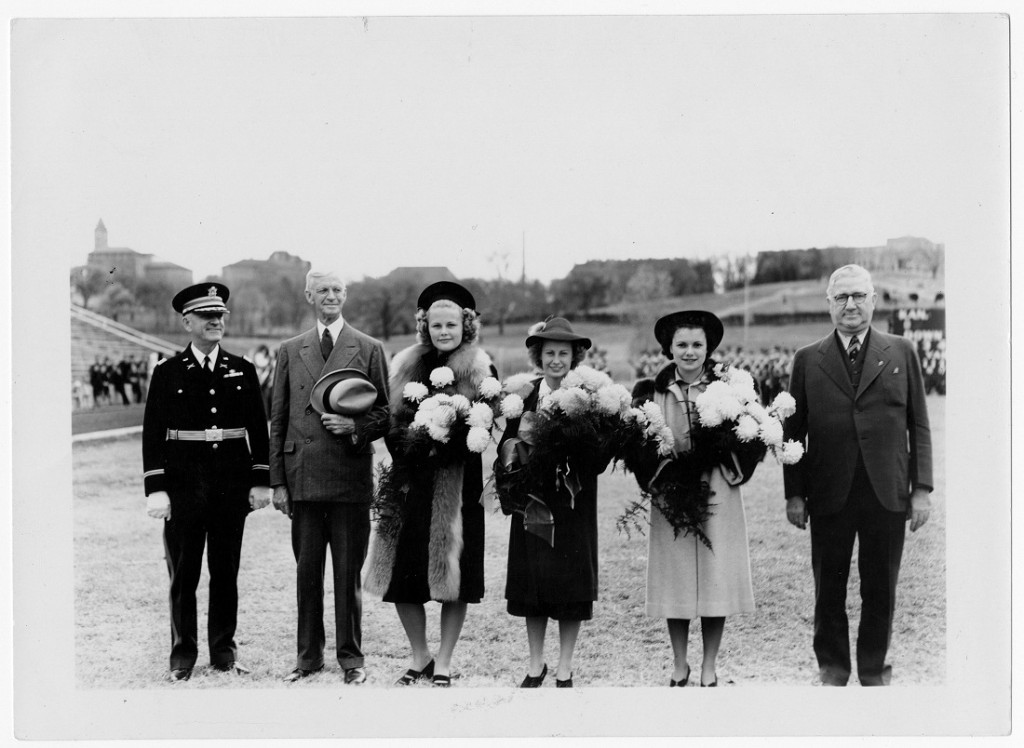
<point x="876" y="358"/>
<point x="310" y="354"/>
<point x="831" y="362"/>
<point x="345" y="349"/>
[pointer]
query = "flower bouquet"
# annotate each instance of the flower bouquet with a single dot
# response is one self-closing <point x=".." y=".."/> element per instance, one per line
<point x="437" y="427"/>
<point x="732" y="430"/>
<point x="575" y="429"/>
<point x="445" y="424"/>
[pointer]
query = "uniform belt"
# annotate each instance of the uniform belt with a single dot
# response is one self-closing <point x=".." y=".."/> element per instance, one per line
<point x="206" y="435"/>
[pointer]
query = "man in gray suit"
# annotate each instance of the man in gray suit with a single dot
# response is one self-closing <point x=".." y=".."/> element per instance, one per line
<point x="321" y="469"/>
<point x="860" y="410"/>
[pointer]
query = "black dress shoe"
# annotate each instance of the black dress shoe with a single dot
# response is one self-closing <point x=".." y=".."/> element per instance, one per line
<point x="181" y="673"/>
<point x="411" y="676"/>
<point x="681" y="682"/>
<point x="534" y="681"/>
<point x="298" y="674"/>
<point x="567" y="683"/>
<point x="355" y="675"/>
<point x="232" y="667"/>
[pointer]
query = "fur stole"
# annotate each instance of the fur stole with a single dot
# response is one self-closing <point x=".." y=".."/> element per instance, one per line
<point x="470" y="365"/>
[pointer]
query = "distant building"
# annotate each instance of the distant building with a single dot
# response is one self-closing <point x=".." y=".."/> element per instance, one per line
<point x="125" y="262"/>
<point x="907" y="254"/>
<point x="420" y="276"/>
<point x="253" y="271"/>
<point x="171" y="275"/>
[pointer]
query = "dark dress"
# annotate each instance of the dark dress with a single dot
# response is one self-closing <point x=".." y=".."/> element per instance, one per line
<point x="559" y="581"/>
<point x="409" y="579"/>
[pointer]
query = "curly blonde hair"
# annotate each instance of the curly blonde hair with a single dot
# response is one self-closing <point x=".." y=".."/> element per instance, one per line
<point x="470" y="322"/>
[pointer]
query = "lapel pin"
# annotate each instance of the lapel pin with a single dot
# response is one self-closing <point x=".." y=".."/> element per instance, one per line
<point x="191" y="366"/>
<point x="896" y="370"/>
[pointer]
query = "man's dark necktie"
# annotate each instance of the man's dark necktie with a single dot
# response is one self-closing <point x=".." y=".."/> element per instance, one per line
<point x="326" y="343"/>
<point x="854" y="349"/>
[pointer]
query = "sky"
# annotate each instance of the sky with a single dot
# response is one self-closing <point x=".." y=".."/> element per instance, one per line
<point x="368" y="143"/>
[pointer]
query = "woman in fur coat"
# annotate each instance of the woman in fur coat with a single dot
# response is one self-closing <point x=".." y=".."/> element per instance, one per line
<point x="438" y="551"/>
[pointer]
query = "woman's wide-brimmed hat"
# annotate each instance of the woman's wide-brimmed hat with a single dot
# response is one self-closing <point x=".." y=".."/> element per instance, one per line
<point x="346" y="392"/>
<point x="666" y="327"/>
<point x="446" y="290"/>
<point x="556" y="328"/>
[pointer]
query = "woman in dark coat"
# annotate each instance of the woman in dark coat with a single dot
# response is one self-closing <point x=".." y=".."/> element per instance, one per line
<point x="438" y="553"/>
<point x="552" y="575"/>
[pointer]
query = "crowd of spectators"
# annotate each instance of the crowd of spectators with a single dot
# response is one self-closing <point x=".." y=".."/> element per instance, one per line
<point x="124" y="382"/>
<point x="597" y="358"/>
<point x="933" y="364"/>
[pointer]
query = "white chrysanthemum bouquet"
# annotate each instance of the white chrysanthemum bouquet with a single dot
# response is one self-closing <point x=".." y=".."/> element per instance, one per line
<point x="451" y="418"/>
<point x="587" y="414"/>
<point x="731" y="417"/>
<point x="732" y="429"/>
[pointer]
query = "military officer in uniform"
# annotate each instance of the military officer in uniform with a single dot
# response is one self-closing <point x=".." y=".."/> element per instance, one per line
<point x="205" y="453"/>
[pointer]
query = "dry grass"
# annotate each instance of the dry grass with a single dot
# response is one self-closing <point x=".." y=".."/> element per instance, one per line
<point x="121" y="614"/>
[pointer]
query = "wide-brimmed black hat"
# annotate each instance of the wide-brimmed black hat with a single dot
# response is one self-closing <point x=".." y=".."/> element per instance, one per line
<point x="347" y="392"/>
<point x="557" y="328"/>
<point x="666" y="327"/>
<point x="446" y="290"/>
<point x="202" y="297"/>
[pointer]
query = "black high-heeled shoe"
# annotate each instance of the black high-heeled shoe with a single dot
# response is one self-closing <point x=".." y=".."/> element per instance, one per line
<point x="411" y="676"/>
<point x="567" y="683"/>
<point x="683" y="682"/>
<point x="531" y="681"/>
<point x="712" y="684"/>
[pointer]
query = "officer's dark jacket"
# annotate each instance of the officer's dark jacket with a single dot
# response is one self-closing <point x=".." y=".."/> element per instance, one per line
<point x="205" y="474"/>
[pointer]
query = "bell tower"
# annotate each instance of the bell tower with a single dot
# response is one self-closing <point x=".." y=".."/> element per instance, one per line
<point x="100" y="237"/>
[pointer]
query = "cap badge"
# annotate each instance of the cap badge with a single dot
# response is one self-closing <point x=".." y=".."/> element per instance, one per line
<point x="212" y="291"/>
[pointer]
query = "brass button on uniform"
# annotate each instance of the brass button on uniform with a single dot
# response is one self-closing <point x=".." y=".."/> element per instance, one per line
<point x="213" y="410"/>
<point x="213" y="392"/>
<point x="215" y="445"/>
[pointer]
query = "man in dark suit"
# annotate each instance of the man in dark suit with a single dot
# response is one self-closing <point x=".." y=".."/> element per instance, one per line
<point x="860" y="411"/>
<point x="321" y="468"/>
<point x="206" y="463"/>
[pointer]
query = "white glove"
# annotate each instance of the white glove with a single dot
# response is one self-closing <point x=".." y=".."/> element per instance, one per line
<point x="158" y="505"/>
<point x="259" y="496"/>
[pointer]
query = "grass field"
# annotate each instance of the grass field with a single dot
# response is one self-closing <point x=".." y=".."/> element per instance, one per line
<point x="121" y="612"/>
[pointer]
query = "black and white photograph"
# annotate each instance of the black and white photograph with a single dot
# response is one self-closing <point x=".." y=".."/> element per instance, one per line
<point x="418" y="358"/>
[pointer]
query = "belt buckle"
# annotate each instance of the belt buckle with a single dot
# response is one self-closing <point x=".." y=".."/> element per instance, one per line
<point x="214" y="435"/>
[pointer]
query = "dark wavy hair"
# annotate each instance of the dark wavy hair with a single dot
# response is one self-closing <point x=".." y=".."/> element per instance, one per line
<point x="666" y="344"/>
<point x="579" y="352"/>
<point x="470" y="322"/>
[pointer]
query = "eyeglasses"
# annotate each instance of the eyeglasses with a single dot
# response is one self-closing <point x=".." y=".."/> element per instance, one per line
<point x="840" y="299"/>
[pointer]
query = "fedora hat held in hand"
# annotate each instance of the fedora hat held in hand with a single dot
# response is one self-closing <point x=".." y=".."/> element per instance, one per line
<point x="346" y="392"/>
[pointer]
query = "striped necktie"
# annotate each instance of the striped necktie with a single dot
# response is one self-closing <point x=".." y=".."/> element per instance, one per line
<point x="854" y="349"/>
